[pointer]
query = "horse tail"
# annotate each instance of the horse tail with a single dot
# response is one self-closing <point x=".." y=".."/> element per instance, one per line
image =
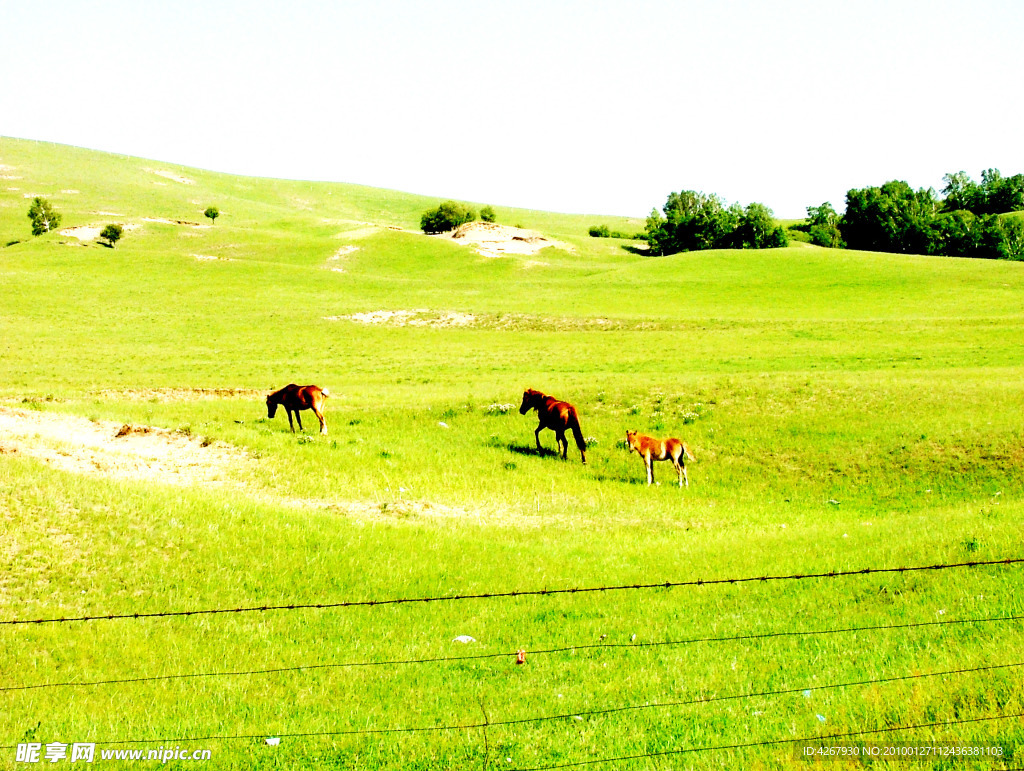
<point x="689" y="454"/>
<point x="574" y="424"/>
<point x="325" y="392"/>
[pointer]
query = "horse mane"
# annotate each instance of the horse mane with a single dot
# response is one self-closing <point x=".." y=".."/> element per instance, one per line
<point x="277" y="394"/>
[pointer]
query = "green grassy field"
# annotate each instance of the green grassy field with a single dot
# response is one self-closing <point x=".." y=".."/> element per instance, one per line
<point x="847" y="410"/>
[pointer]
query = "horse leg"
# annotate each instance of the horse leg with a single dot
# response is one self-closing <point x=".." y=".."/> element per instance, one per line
<point x="536" y="435"/>
<point x="563" y="443"/>
<point x="290" y="424"/>
<point x="680" y="471"/>
<point x="649" y="463"/>
<point x="298" y="418"/>
<point x="320" y="417"/>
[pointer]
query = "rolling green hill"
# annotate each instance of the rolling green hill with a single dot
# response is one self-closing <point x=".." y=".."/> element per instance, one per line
<point x="848" y="411"/>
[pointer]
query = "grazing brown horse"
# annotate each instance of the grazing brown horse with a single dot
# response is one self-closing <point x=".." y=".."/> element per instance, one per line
<point x="294" y="398"/>
<point x="556" y="415"/>
<point x="651" y="449"/>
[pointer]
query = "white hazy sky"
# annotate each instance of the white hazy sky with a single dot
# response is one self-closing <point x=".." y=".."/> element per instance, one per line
<point x="590" y="106"/>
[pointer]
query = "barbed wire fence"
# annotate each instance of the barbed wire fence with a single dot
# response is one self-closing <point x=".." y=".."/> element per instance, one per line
<point x="489" y="724"/>
<point x="575" y="714"/>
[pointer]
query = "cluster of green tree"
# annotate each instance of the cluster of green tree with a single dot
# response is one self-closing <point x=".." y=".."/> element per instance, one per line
<point x="697" y="221"/>
<point x="897" y="218"/>
<point x="603" y="231"/>
<point x="995" y="195"/>
<point x="450" y="215"/>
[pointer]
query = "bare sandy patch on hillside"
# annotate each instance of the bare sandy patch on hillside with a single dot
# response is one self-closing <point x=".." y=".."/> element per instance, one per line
<point x="115" y="450"/>
<point x="91" y="232"/>
<point x="334" y="260"/>
<point x="493" y="240"/>
<point x="83" y="232"/>
<point x="172" y="176"/>
<point x="420" y="317"/>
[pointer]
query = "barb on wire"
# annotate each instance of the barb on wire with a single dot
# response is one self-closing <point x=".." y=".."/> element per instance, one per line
<point x="508" y="594"/>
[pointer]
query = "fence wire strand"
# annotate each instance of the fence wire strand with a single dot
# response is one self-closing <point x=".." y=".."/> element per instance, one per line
<point x="512" y="654"/>
<point x="510" y="594"/>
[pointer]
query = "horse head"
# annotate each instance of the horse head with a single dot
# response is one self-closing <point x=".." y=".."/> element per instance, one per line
<point x="530" y="398"/>
<point x="271" y="406"/>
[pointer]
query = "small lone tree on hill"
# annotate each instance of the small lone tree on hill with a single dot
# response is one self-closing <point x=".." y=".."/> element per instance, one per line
<point x="44" y="218"/>
<point x="112" y="234"/>
<point x="487" y="214"/>
<point x="212" y="212"/>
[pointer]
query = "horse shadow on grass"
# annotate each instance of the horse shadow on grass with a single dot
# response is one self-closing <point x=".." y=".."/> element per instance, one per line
<point x="532" y="451"/>
<point x="625" y="477"/>
<point x="640" y="251"/>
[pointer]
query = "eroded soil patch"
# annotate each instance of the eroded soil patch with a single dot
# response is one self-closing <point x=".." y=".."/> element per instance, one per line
<point x="493" y="240"/>
<point x="116" y="450"/>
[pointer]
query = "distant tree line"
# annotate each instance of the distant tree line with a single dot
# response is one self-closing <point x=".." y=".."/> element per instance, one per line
<point x="695" y="221"/>
<point x="968" y="221"/>
<point x="603" y="231"/>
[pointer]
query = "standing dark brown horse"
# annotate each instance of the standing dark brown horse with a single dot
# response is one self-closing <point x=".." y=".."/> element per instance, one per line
<point x="294" y="398"/>
<point x="556" y="415"/>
